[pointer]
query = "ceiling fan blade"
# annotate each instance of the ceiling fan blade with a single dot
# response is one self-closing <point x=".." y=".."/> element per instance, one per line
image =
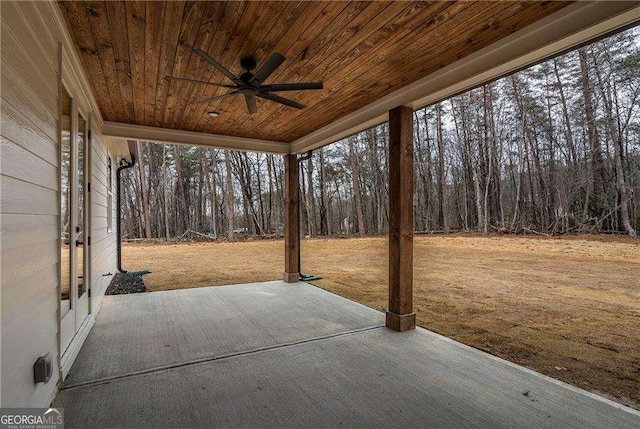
<point x="216" y="64"/>
<point x="252" y="103"/>
<point x="281" y="100"/>
<point x="267" y="68"/>
<point x="291" y="86"/>
<point x="217" y="97"/>
<point x="184" y="79"/>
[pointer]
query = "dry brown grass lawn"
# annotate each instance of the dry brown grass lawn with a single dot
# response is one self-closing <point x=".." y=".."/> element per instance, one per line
<point x="567" y="308"/>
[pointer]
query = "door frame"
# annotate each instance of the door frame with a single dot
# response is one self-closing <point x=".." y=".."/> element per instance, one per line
<point x="78" y="317"/>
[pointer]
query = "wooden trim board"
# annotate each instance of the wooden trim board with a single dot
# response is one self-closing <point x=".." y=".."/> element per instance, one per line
<point x="120" y="131"/>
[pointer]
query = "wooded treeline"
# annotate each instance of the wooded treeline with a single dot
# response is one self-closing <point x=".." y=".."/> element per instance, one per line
<point x="552" y="149"/>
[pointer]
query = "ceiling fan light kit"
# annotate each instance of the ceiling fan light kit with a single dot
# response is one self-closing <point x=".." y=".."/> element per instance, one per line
<point x="250" y="84"/>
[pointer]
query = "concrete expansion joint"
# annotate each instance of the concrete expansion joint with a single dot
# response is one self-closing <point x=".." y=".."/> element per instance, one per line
<point x="164" y="368"/>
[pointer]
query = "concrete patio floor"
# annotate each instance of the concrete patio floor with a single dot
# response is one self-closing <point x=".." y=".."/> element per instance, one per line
<point x="292" y="355"/>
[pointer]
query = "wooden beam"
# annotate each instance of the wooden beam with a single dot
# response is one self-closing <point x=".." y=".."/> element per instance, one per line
<point x="400" y="316"/>
<point x="291" y="231"/>
<point x="166" y="135"/>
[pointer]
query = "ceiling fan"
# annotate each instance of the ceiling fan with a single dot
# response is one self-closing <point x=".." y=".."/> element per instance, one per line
<point x="251" y="84"/>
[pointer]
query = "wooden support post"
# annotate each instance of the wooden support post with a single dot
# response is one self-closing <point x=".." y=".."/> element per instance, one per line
<point x="400" y="316"/>
<point x="291" y="232"/>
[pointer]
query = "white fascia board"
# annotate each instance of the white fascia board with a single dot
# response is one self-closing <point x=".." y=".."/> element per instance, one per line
<point x="118" y="148"/>
<point x="570" y="27"/>
<point x="122" y="131"/>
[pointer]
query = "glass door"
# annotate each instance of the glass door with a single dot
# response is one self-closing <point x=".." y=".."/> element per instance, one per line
<point x="74" y="260"/>
<point x="65" y="206"/>
<point x="82" y="232"/>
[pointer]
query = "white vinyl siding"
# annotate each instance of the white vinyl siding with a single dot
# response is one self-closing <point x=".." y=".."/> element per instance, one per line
<point x="29" y="200"/>
<point x="103" y="244"/>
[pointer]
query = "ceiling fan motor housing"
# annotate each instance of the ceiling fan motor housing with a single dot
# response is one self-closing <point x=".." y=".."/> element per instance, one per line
<point x="248" y="63"/>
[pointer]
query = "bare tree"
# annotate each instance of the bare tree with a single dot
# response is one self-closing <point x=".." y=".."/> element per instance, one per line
<point x="230" y="196"/>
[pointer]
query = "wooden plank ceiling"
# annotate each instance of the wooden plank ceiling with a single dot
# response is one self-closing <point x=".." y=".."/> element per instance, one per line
<point x="361" y="50"/>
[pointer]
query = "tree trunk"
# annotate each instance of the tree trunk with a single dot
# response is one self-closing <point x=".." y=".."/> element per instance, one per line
<point x="355" y="177"/>
<point x="521" y="145"/>
<point x="182" y="217"/>
<point x="428" y="186"/>
<point x="596" y="164"/>
<point x="165" y="190"/>
<point x="311" y="199"/>
<point x="213" y="190"/>
<point x="442" y="177"/>
<point x="616" y="139"/>
<point x="325" y="228"/>
<point x="568" y="133"/>
<point x="144" y="190"/>
<point x="269" y="225"/>
<point x="487" y="156"/>
<point x="230" y="197"/>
